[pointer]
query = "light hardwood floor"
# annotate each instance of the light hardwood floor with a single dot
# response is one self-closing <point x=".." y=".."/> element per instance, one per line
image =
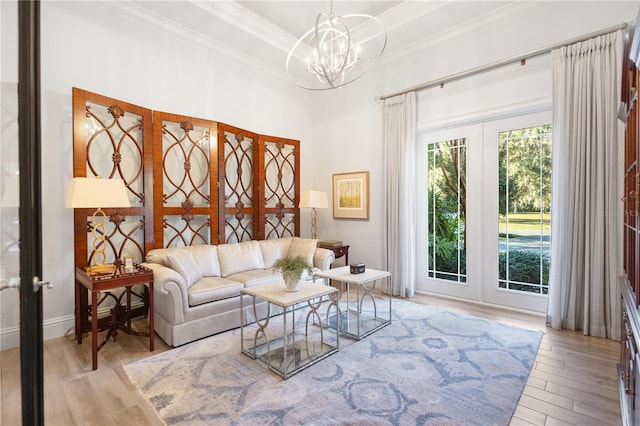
<point x="573" y="380"/>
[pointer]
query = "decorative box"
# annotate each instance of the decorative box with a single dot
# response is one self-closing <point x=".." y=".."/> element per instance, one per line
<point x="356" y="268"/>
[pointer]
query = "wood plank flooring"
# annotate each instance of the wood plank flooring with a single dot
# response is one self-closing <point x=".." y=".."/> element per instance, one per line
<point x="574" y="379"/>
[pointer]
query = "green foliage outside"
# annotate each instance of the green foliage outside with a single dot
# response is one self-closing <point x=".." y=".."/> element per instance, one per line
<point x="524" y="161"/>
<point x="524" y="267"/>
<point x="524" y="176"/>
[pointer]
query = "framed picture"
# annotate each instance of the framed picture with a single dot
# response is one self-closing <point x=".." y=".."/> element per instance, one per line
<point x="351" y="195"/>
<point x="128" y="263"/>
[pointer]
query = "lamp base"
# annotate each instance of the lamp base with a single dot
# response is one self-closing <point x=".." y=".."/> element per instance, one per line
<point x="101" y="268"/>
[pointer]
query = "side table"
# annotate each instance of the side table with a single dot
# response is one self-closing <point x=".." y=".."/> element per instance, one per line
<point x="351" y="320"/>
<point x="338" y="251"/>
<point x="291" y="351"/>
<point x="121" y="315"/>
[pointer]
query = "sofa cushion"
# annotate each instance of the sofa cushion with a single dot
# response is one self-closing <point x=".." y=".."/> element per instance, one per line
<point x="239" y="257"/>
<point x="210" y="289"/>
<point x="183" y="262"/>
<point x="305" y="247"/>
<point x="206" y="257"/>
<point x="273" y="250"/>
<point x="257" y="277"/>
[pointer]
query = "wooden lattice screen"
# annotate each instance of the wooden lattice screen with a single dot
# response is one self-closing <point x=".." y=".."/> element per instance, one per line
<point x="190" y="181"/>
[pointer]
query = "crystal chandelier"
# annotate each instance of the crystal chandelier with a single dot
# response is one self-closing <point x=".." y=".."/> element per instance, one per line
<point x="327" y="57"/>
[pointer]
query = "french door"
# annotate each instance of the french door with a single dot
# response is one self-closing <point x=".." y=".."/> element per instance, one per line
<point x="484" y="213"/>
<point x="20" y="217"/>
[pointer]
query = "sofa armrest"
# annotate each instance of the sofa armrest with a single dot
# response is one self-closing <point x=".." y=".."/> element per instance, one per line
<point x="170" y="293"/>
<point x="323" y="258"/>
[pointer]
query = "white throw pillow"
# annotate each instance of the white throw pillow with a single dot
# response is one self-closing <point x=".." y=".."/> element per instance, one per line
<point x="273" y="250"/>
<point x="206" y="257"/>
<point x="305" y="247"/>
<point x="239" y="257"/>
<point x="183" y="262"/>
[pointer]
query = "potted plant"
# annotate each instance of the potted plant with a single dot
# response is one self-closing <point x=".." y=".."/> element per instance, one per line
<point x="292" y="268"/>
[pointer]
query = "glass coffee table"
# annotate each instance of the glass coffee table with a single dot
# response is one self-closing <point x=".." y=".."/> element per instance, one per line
<point x="355" y="319"/>
<point x="290" y="351"/>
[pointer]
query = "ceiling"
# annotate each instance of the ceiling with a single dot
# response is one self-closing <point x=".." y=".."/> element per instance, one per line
<point x="262" y="32"/>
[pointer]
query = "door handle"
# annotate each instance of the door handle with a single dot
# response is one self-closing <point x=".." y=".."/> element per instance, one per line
<point x="14" y="282"/>
<point x="37" y="284"/>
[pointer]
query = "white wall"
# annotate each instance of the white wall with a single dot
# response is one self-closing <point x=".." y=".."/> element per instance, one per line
<point x="86" y="46"/>
<point x="348" y="128"/>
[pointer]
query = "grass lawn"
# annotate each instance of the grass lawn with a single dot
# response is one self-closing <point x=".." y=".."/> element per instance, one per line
<point x="526" y="221"/>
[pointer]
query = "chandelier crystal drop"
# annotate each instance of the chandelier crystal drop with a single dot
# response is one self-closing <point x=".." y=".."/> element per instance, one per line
<point x="326" y="56"/>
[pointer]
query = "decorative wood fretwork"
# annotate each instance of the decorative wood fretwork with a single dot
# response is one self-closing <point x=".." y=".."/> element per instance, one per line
<point x="197" y="181"/>
<point x="280" y="162"/>
<point x="240" y="184"/>
<point x="112" y="139"/>
<point x="186" y="176"/>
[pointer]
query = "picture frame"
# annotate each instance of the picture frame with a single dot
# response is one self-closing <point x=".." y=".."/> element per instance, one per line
<point x="128" y="263"/>
<point x="351" y="195"/>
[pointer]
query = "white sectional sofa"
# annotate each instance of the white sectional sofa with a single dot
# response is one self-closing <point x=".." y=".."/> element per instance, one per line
<point x="197" y="288"/>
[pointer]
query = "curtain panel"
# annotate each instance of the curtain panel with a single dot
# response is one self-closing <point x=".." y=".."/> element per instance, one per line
<point x="399" y="140"/>
<point x="586" y="226"/>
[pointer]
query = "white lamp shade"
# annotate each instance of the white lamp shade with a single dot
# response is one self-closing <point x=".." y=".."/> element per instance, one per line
<point x="313" y="199"/>
<point x="97" y="193"/>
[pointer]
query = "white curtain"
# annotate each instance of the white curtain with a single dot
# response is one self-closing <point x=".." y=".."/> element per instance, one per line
<point x="586" y="226"/>
<point x="399" y="188"/>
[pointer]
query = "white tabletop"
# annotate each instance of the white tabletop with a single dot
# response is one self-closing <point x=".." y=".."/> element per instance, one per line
<point x="344" y="274"/>
<point x="275" y="292"/>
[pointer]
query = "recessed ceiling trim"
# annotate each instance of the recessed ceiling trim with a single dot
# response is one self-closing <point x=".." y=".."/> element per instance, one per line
<point x="160" y="23"/>
<point x="469" y="27"/>
<point x="233" y="13"/>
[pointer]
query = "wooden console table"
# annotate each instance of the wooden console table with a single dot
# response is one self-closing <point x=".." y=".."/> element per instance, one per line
<point x="120" y="315"/>
<point x="338" y="251"/>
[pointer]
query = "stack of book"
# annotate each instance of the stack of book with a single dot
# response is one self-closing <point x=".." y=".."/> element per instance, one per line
<point x="329" y="243"/>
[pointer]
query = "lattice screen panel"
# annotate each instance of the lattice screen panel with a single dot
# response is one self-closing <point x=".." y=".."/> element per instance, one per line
<point x="238" y="152"/>
<point x="112" y="140"/>
<point x="280" y="165"/>
<point x="185" y="164"/>
<point x="279" y="183"/>
<point x="185" y="171"/>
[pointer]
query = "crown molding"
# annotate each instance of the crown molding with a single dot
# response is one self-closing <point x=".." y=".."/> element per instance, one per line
<point x="478" y="24"/>
<point x="154" y="21"/>
<point x="233" y="13"/>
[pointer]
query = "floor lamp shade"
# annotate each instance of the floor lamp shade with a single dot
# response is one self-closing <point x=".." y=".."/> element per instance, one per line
<point x="313" y="200"/>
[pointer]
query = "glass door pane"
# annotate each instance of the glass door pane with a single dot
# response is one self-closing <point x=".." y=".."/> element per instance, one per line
<point x="447" y="210"/>
<point x="10" y="364"/>
<point x="524" y="200"/>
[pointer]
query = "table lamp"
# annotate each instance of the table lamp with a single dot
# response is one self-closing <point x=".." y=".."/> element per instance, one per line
<point x="313" y="200"/>
<point x="97" y="193"/>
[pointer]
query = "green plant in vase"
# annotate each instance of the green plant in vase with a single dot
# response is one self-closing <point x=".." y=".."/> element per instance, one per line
<point x="292" y="269"/>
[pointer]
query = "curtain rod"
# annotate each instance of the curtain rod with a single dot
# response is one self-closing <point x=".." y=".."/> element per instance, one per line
<point x="499" y="64"/>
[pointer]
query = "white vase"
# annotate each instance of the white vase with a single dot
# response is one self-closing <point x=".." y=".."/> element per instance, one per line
<point x="291" y="282"/>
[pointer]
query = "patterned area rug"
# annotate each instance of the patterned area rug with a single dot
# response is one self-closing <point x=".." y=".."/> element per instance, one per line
<point x="429" y="366"/>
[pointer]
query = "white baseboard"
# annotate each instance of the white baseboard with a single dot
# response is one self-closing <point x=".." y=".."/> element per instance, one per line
<point x="51" y="328"/>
